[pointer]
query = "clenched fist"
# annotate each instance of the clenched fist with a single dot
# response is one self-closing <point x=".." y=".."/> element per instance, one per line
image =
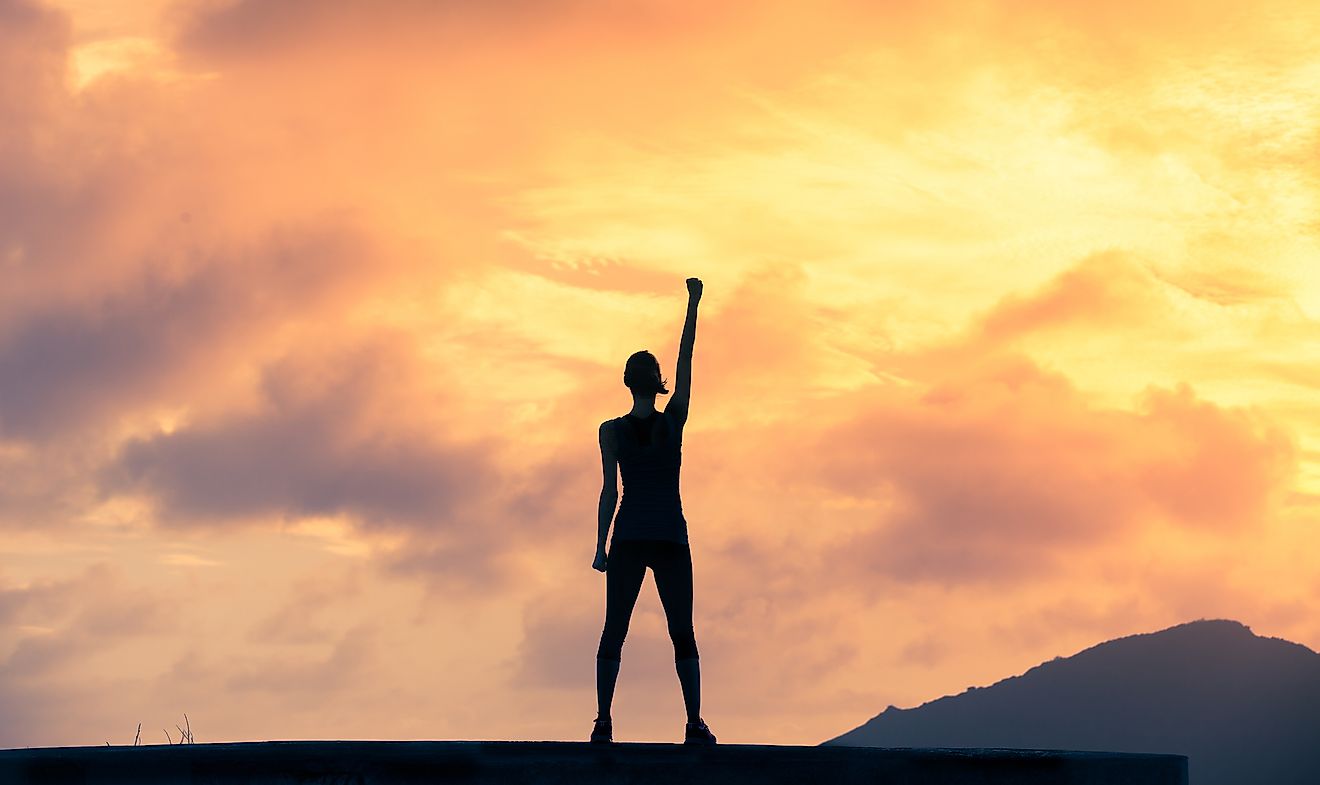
<point x="694" y="288"/>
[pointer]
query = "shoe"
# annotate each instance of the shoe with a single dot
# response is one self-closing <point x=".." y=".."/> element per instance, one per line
<point x="698" y="733"/>
<point x="603" y="732"/>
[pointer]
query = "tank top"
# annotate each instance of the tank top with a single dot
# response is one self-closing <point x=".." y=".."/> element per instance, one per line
<point x="649" y="462"/>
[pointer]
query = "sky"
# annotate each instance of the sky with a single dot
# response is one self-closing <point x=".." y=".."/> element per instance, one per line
<point x="311" y="311"/>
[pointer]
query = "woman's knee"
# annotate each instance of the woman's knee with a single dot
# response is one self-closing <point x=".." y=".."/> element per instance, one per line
<point x="685" y="648"/>
<point x="685" y="642"/>
<point x="611" y="641"/>
<point x="609" y="649"/>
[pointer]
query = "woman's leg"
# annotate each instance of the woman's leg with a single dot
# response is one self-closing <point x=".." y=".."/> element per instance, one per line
<point x="689" y="678"/>
<point x="623" y="582"/>
<point x="607" y="673"/>
<point x="673" y="581"/>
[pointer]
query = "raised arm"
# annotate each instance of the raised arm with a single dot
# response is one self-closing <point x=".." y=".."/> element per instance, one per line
<point x="678" y="404"/>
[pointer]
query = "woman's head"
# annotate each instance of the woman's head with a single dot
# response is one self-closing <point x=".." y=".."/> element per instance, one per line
<point x="641" y="374"/>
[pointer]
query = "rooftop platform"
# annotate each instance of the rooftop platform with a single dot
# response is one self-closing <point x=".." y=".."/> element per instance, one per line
<point x="575" y="763"/>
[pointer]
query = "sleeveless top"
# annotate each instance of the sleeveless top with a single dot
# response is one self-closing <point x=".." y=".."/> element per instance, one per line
<point x="651" y="508"/>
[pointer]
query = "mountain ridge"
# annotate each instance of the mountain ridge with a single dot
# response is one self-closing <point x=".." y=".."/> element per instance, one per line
<point x="1200" y="688"/>
<point x="1227" y="624"/>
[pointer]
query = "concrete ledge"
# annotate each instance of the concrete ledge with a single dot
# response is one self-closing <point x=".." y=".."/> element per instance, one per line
<point x="578" y="763"/>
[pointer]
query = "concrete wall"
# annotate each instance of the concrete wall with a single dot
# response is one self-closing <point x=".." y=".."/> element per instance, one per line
<point x="578" y="763"/>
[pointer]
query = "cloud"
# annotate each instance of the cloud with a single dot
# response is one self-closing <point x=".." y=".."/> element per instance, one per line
<point x="1001" y="472"/>
<point x="50" y="629"/>
<point x="97" y="603"/>
<point x="1211" y="467"/>
<point x="321" y="443"/>
<point x="1102" y="291"/>
<point x="929" y="650"/>
<point x="749" y="631"/>
<point x="72" y="366"/>
<point x="560" y="637"/>
<point x="357" y="433"/>
<point x="40" y="600"/>
<point x="45" y="709"/>
<point x="351" y="657"/>
<point x="302" y="617"/>
<point x="376" y="263"/>
<point x="32" y="42"/>
<point x="246" y="28"/>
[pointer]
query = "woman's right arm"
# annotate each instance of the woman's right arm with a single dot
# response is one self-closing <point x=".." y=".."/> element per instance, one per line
<point x="683" y="375"/>
<point x="609" y="490"/>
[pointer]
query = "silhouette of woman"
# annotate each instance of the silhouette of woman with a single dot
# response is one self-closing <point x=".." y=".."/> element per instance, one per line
<point x="650" y="530"/>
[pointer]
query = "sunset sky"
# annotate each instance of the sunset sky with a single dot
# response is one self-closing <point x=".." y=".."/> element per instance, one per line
<point x="310" y="310"/>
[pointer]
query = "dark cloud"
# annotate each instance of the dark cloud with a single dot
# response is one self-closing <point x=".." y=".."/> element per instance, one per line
<point x="251" y="27"/>
<point x="348" y="431"/>
<point x="131" y="270"/>
<point x="318" y="446"/>
<point x="72" y="365"/>
<point x="530" y="512"/>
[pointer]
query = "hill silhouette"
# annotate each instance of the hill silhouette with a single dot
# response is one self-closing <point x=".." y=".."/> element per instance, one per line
<point x="1244" y="708"/>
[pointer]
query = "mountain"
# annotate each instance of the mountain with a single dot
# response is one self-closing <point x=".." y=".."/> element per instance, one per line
<point x="1245" y="709"/>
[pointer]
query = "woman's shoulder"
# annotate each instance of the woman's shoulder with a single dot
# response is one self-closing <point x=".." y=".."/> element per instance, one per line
<point x="677" y="417"/>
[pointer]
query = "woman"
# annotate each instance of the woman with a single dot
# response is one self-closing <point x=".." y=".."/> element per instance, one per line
<point x="650" y="530"/>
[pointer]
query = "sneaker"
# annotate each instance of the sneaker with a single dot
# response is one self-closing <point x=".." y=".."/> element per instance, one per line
<point x="603" y="732"/>
<point x="698" y="733"/>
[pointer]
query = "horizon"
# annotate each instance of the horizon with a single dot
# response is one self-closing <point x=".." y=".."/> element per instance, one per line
<point x="1007" y="349"/>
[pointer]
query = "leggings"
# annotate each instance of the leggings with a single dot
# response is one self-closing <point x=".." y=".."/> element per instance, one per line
<point x="671" y="563"/>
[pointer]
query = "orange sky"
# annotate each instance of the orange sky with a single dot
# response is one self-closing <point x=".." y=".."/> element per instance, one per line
<point x="311" y="310"/>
